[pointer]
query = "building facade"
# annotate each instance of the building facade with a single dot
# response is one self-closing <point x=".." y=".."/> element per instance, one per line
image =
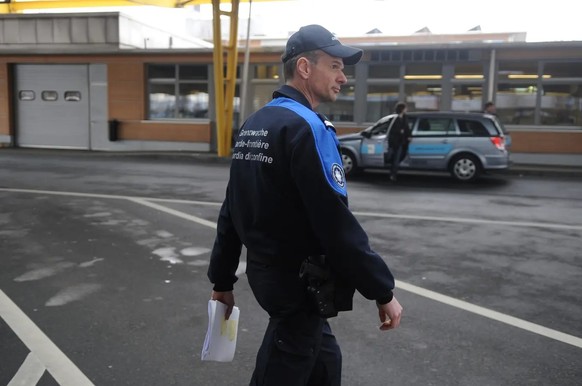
<point x="84" y="82"/>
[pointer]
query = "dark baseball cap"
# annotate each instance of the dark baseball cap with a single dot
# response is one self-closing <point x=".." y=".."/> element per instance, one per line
<point x="315" y="37"/>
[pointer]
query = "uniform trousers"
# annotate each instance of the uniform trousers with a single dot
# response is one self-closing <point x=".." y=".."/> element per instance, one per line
<point x="395" y="155"/>
<point x="298" y="348"/>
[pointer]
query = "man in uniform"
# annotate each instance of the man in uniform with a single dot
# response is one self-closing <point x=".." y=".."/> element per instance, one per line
<point x="286" y="201"/>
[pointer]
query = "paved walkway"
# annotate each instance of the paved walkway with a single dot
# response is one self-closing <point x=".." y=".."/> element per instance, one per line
<point x="537" y="163"/>
<point x="573" y="160"/>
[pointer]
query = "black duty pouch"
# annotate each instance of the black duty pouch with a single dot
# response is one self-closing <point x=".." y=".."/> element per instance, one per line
<point x="329" y="294"/>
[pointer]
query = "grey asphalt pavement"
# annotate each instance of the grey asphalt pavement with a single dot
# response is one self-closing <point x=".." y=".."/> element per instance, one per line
<point x="105" y="256"/>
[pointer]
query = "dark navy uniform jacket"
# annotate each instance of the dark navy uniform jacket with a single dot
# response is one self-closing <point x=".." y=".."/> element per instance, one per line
<point x="287" y="198"/>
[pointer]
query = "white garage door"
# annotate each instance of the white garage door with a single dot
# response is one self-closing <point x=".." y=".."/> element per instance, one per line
<point x="52" y="106"/>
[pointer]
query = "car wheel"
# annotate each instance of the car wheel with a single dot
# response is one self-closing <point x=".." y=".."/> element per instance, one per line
<point x="465" y="167"/>
<point x="349" y="163"/>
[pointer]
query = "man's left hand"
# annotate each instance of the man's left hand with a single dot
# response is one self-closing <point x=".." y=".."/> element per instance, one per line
<point x="226" y="297"/>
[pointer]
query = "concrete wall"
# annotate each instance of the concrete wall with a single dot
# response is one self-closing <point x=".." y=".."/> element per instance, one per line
<point x="88" y="32"/>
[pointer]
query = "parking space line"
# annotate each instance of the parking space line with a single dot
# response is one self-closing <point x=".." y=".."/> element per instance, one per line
<point x="59" y="193"/>
<point x="109" y="196"/>
<point x="498" y="316"/>
<point x="62" y="369"/>
<point x="356" y="213"/>
<point x="29" y="373"/>
<point x="174" y="212"/>
<point x="485" y="312"/>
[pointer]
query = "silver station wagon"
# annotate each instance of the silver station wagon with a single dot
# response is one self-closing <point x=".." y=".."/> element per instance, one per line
<point x="464" y="144"/>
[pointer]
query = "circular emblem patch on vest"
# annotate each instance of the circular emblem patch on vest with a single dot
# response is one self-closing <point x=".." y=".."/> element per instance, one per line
<point x="338" y="175"/>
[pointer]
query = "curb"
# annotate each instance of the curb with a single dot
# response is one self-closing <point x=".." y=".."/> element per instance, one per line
<point x="516" y="169"/>
<point x="543" y="170"/>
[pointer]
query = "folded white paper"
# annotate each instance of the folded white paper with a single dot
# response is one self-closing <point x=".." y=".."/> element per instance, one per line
<point x="220" y="342"/>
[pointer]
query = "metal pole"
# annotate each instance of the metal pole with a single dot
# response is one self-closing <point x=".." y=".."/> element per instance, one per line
<point x="245" y="72"/>
<point x="218" y="78"/>
<point x="231" y="67"/>
<point x="491" y="84"/>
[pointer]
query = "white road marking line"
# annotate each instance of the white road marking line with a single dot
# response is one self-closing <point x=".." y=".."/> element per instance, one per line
<point x="525" y="325"/>
<point x="471" y="220"/>
<point x="498" y="316"/>
<point x="174" y="212"/>
<point x="29" y="373"/>
<point x="356" y="213"/>
<point x="174" y="201"/>
<point x="58" y="365"/>
<point x="109" y="196"/>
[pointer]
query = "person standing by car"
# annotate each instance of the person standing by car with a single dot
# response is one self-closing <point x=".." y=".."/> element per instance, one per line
<point x="398" y="138"/>
<point x="490" y="108"/>
<point x="286" y="201"/>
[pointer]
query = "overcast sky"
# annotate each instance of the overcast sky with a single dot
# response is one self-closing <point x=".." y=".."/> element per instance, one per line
<point x="542" y="21"/>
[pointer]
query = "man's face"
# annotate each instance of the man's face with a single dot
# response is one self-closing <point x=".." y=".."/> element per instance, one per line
<point x="326" y="78"/>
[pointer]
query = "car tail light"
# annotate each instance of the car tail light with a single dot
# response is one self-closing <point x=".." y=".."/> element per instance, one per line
<point x="499" y="142"/>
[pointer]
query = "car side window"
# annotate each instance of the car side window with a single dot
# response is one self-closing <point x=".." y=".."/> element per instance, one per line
<point x="411" y="122"/>
<point x="472" y="128"/>
<point x="381" y="128"/>
<point x="434" y="127"/>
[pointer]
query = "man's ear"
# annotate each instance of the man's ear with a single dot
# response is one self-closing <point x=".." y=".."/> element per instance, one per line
<point x="303" y="67"/>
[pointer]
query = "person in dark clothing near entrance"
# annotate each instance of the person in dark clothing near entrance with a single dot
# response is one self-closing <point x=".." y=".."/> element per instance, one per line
<point x="490" y="108"/>
<point x="398" y="138"/>
<point x="286" y="201"/>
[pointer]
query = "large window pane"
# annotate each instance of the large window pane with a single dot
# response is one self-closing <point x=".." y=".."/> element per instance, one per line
<point x="423" y="71"/>
<point x="178" y="91"/>
<point x="342" y="110"/>
<point x="193" y="72"/>
<point x="266" y="71"/>
<point x="563" y="70"/>
<point x="420" y="97"/>
<point x="516" y="103"/>
<point x="350" y="72"/>
<point x="193" y="101"/>
<point x="162" y="71"/>
<point x="467" y="97"/>
<point x="517" y="70"/>
<point x="562" y="105"/>
<point x="162" y="101"/>
<point x="384" y="71"/>
<point x="263" y="93"/>
<point x="236" y="118"/>
<point x="381" y="101"/>
<point x="469" y="71"/>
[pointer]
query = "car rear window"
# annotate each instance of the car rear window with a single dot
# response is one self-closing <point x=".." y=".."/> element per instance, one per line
<point x="469" y="127"/>
<point x="500" y="126"/>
